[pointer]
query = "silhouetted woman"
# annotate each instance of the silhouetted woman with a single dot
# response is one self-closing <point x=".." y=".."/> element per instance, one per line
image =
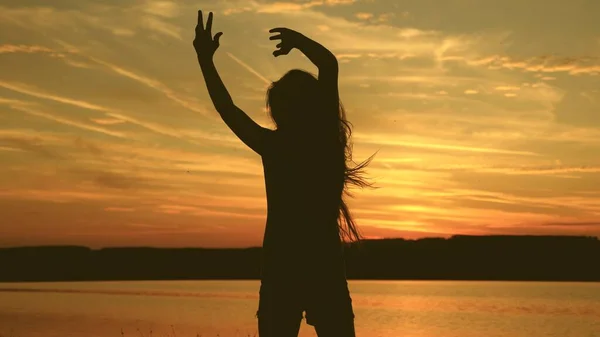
<point x="306" y="174"/>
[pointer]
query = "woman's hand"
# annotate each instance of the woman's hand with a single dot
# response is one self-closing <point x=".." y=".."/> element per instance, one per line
<point x="204" y="43"/>
<point x="289" y="40"/>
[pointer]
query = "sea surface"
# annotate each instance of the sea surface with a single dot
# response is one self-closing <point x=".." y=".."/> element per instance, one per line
<point x="228" y="308"/>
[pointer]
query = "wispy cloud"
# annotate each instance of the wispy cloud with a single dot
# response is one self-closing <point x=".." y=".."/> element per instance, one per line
<point x="35" y="111"/>
<point x="60" y="196"/>
<point x="417" y="165"/>
<point x="147" y="125"/>
<point x="119" y="209"/>
<point x="73" y="50"/>
<point x="154" y="84"/>
<point x="35" y="92"/>
<point x="162" y="27"/>
<point x="549" y="170"/>
<point x="164" y="8"/>
<point x="107" y="121"/>
<point x="281" y="7"/>
<point x="250" y="69"/>
<point x="389" y="140"/>
<point x="29" y="49"/>
<point x="364" y="15"/>
<point x="507" y="88"/>
<point x="115" y="114"/>
<point x="542" y="64"/>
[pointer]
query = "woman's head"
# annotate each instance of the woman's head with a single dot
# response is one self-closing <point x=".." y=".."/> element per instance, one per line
<point x="294" y="100"/>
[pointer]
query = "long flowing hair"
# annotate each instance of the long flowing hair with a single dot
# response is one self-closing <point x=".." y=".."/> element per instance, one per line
<point x="284" y="97"/>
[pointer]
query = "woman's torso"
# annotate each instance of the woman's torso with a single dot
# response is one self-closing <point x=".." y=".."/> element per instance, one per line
<point x="304" y="180"/>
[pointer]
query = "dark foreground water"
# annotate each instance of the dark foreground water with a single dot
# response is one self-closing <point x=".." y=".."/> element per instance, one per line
<point x="227" y="308"/>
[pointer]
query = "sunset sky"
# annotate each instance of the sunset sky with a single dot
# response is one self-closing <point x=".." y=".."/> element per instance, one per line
<point x="486" y="115"/>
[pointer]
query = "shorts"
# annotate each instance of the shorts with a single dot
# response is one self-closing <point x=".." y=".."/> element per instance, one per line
<point x="320" y="301"/>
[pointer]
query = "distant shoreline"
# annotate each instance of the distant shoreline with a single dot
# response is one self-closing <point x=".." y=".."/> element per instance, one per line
<point x="450" y="237"/>
<point x="458" y="258"/>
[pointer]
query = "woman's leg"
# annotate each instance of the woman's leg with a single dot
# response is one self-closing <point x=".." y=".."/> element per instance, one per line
<point x="279" y="312"/>
<point x="336" y="328"/>
<point x="279" y="323"/>
<point x="330" y="311"/>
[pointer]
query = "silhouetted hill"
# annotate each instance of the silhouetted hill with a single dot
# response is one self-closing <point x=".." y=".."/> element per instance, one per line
<point x="541" y="258"/>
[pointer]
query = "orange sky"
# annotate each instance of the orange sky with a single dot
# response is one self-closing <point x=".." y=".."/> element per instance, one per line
<point x="486" y="118"/>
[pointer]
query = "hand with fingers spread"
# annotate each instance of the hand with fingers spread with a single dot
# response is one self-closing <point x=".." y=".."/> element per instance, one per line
<point x="289" y="40"/>
<point x="204" y="43"/>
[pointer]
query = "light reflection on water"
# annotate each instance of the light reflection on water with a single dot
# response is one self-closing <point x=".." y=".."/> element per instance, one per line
<point x="227" y="308"/>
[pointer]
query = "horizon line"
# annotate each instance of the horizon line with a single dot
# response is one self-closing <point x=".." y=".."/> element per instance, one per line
<point x="597" y="237"/>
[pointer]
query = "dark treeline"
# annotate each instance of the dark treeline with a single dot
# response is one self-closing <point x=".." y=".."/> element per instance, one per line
<point x="540" y="258"/>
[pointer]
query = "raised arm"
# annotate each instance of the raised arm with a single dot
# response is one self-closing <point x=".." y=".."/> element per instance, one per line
<point x="247" y="130"/>
<point x="324" y="59"/>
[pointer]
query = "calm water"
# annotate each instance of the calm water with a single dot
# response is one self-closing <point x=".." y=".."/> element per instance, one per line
<point x="227" y="308"/>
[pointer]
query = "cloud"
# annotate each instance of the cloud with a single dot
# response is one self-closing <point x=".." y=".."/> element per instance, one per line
<point x="236" y="10"/>
<point x="119" y="181"/>
<point x="29" y="144"/>
<point x="32" y="91"/>
<point x="167" y="9"/>
<point x="287" y="7"/>
<point x="382" y="139"/>
<point x="69" y="122"/>
<point x="67" y="56"/>
<point x="134" y="168"/>
<point x="409" y="33"/>
<point x="114" y="114"/>
<point x="530" y="157"/>
<point x="507" y="88"/>
<point x="123" y="32"/>
<point x="364" y="16"/>
<point x="29" y="49"/>
<point x="280" y="7"/>
<point x="162" y="27"/>
<point x="154" y="84"/>
<point x="250" y="69"/>
<point x="72" y="50"/>
<point x="89" y="146"/>
<point x="508" y="170"/>
<point x="471" y="92"/>
<point x="382" y="18"/>
<point x="346" y="37"/>
<point x="119" y="209"/>
<point x="578" y="108"/>
<point x="572" y="224"/>
<point x="403" y="78"/>
<point x="60" y="195"/>
<point x="147" y="125"/>
<point x="541" y="64"/>
<point x="348" y="56"/>
<point x="10" y="149"/>
<point x="107" y="121"/>
<point x="121" y="19"/>
<point x="36" y="111"/>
